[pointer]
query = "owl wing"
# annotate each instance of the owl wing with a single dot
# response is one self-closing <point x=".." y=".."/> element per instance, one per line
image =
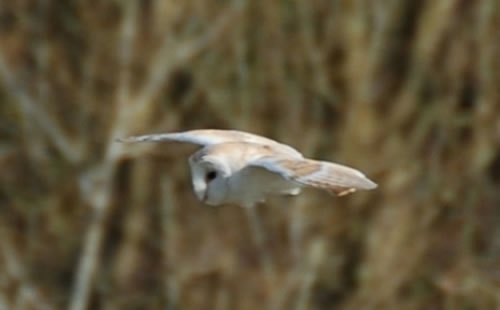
<point x="206" y="137"/>
<point x="338" y="179"/>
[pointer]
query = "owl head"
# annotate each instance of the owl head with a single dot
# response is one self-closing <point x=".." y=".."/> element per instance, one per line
<point x="209" y="178"/>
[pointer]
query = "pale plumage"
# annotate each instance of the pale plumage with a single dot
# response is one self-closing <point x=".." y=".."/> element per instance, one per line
<point x="243" y="168"/>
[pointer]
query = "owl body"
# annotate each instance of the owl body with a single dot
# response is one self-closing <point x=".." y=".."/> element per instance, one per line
<point x="234" y="167"/>
<point x="221" y="176"/>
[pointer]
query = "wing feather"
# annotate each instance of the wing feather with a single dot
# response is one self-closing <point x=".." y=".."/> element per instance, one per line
<point x="206" y="137"/>
<point x="335" y="178"/>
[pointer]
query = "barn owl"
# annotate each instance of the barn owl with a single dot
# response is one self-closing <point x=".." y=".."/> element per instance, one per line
<point x="235" y="167"/>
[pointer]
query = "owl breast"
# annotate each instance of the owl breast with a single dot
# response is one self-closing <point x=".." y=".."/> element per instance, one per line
<point x="253" y="185"/>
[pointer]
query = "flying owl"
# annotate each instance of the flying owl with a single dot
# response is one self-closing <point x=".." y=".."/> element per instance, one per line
<point x="235" y="167"/>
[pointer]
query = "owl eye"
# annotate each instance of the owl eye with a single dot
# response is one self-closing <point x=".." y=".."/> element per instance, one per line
<point x="211" y="175"/>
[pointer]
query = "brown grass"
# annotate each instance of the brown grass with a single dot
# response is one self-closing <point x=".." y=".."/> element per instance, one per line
<point x="407" y="91"/>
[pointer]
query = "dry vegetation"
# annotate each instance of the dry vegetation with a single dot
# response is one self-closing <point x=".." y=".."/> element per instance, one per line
<point x="408" y="91"/>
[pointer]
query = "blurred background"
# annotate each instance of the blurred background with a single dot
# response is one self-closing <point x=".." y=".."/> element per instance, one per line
<point x="406" y="91"/>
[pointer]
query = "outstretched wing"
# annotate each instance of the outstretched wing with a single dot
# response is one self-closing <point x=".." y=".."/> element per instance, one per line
<point x="335" y="178"/>
<point x="205" y="137"/>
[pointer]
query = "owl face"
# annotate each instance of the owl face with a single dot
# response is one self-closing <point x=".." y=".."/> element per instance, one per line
<point x="210" y="179"/>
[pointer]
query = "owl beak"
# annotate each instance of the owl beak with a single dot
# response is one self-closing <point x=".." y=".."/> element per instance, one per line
<point x="200" y="194"/>
<point x="200" y="189"/>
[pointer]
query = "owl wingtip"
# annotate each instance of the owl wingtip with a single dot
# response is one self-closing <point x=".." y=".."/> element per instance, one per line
<point x="125" y="140"/>
<point x="370" y="184"/>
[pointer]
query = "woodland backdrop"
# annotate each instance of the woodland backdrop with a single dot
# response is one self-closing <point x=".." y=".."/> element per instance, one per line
<point x="407" y="91"/>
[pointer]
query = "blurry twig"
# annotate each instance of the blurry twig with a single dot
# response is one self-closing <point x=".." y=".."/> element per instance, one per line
<point x="125" y="49"/>
<point x="317" y="55"/>
<point x="316" y="257"/>
<point x="33" y="113"/>
<point x="96" y="186"/>
<point x="171" y="55"/>
<point x="14" y="271"/>
<point x="170" y="228"/>
<point x="431" y="30"/>
<point x="258" y="235"/>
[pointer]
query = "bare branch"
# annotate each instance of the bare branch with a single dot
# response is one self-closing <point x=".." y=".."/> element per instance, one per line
<point x="33" y="113"/>
<point x="96" y="186"/>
